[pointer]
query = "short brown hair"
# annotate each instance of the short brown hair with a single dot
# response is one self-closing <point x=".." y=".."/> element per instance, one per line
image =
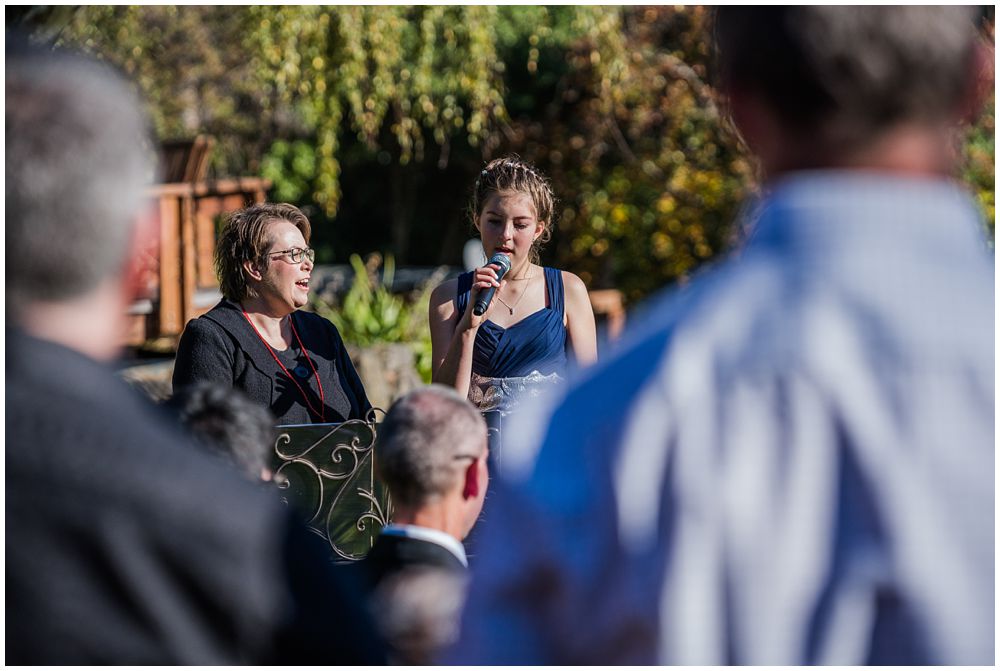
<point x="244" y="238"/>
<point x="512" y="173"/>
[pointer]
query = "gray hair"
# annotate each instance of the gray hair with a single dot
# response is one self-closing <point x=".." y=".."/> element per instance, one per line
<point x="420" y="442"/>
<point x="841" y="75"/>
<point x="76" y="171"/>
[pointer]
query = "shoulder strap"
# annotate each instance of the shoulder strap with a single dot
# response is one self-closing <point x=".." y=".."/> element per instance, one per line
<point x="462" y="292"/>
<point x="554" y="289"/>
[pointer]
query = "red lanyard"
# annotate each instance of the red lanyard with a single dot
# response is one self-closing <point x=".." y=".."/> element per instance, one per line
<point x="319" y="383"/>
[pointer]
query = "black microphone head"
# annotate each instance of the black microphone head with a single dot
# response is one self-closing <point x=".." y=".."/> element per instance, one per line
<point x="483" y="302"/>
<point x="501" y="260"/>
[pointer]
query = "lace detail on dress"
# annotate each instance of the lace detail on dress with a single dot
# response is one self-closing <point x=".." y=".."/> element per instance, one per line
<point x="506" y="393"/>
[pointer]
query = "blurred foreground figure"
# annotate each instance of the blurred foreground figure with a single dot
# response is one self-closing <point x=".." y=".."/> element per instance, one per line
<point x="125" y="544"/>
<point x="431" y="453"/>
<point x="417" y="610"/>
<point x="227" y="423"/>
<point x="792" y="462"/>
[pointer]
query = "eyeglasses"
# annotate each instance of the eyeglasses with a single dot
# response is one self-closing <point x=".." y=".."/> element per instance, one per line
<point x="295" y="254"/>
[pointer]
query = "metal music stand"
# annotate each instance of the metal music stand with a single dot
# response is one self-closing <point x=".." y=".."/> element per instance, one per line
<point x="327" y="471"/>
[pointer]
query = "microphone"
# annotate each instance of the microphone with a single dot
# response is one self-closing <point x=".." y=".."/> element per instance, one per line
<point x="486" y="297"/>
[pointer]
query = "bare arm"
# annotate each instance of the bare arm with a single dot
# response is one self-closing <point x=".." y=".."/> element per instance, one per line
<point x="580" y="324"/>
<point x="453" y="339"/>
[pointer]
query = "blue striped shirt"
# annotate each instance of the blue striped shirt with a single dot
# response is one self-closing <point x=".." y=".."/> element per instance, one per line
<point x="791" y="461"/>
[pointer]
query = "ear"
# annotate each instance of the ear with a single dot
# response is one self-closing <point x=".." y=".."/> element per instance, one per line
<point x="539" y="229"/>
<point x="252" y="270"/>
<point x="470" y="489"/>
<point x="141" y="263"/>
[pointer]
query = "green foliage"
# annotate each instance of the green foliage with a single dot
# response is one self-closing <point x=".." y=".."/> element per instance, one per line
<point x="376" y="119"/>
<point x="979" y="164"/>
<point x="370" y="313"/>
<point x="649" y="174"/>
<point x="291" y="167"/>
<point x="978" y="168"/>
<point x="409" y="68"/>
<point x="191" y="66"/>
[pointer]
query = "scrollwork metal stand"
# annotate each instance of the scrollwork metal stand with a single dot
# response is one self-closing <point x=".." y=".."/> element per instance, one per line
<point x="328" y="472"/>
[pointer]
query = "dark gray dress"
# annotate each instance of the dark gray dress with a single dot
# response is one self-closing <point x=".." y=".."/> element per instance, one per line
<point x="222" y="347"/>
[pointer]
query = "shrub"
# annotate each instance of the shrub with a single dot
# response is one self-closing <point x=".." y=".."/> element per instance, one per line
<point x="370" y="313"/>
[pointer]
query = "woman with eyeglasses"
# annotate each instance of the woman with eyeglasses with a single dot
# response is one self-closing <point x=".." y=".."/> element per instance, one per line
<point x="257" y="339"/>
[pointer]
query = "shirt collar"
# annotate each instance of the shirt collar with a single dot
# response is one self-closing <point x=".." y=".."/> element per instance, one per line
<point x="435" y="536"/>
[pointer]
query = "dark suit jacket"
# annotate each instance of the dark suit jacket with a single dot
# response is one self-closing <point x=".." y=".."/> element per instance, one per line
<point x="127" y="545"/>
<point x="392" y="554"/>
<point x="419" y="628"/>
<point x="221" y="346"/>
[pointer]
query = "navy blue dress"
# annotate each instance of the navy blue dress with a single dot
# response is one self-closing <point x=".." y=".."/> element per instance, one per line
<point x="510" y="364"/>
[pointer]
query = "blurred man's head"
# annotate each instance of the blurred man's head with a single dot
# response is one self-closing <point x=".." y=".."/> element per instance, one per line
<point x="823" y="86"/>
<point x="77" y="163"/>
<point x="431" y="453"/>
<point x="225" y="421"/>
<point x="418" y="609"/>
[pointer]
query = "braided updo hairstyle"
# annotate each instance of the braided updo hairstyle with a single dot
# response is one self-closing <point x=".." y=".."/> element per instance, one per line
<point x="512" y="174"/>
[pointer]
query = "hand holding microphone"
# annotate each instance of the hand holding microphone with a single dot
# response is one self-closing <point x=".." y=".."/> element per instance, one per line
<point x="502" y="261"/>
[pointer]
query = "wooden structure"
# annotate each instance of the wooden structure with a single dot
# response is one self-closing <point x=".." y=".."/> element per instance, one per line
<point x="609" y="304"/>
<point x="185" y="160"/>
<point x="178" y="282"/>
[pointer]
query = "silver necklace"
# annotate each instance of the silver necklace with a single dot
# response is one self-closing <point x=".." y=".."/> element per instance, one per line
<point x="518" y="301"/>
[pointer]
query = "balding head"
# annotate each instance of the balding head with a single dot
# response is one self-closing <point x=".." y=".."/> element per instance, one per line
<point x="426" y="442"/>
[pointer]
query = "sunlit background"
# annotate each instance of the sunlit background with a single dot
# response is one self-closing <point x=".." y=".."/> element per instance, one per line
<point x="375" y="120"/>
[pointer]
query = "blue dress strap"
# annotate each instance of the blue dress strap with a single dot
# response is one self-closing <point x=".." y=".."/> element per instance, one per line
<point x="554" y="289"/>
<point x="462" y="292"/>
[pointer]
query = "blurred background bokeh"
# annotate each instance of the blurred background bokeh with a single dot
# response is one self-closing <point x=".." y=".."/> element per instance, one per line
<point x="375" y="120"/>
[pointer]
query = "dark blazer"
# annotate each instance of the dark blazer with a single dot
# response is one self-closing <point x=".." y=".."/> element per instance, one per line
<point x="221" y="346"/>
<point x="392" y="554"/>
<point x="418" y="624"/>
<point x="125" y="544"/>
